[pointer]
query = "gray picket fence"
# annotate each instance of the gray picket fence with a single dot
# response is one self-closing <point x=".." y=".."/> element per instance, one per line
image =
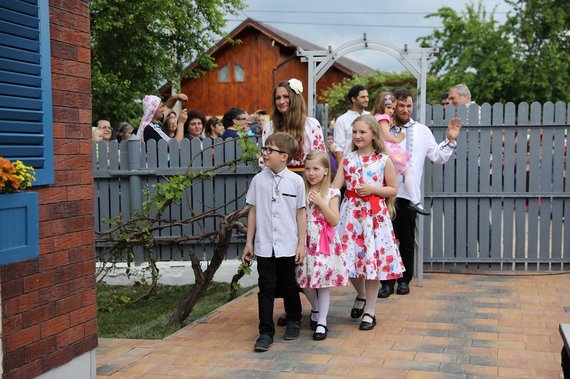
<point x="501" y="202"/>
<point x="124" y="171"/>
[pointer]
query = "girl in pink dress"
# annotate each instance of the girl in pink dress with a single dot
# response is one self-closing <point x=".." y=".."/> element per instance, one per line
<point x="367" y="236"/>
<point x="324" y="265"/>
<point x="383" y="110"/>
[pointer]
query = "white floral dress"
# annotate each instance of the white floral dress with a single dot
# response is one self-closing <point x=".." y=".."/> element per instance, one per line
<point x="324" y="264"/>
<point x="367" y="236"/>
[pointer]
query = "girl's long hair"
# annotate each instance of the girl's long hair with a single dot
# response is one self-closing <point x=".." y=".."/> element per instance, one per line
<point x="378" y="146"/>
<point x="380" y="103"/>
<point x="321" y="158"/>
<point x="293" y="121"/>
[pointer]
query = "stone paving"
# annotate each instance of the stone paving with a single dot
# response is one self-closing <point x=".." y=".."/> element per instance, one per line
<point x="455" y="326"/>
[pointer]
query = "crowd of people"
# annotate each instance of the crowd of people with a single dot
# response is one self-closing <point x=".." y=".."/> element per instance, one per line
<point x="323" y="212"/>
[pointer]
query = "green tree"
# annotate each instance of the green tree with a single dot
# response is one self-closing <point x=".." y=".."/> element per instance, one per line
<point x="541" y="33"/>
<point x="473" y="49"/>
<point x="525" y="59"/>
<point x="138" y="45"/>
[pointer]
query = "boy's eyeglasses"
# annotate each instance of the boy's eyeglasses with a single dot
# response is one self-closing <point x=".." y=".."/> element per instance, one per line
<point x="269" y="150"/>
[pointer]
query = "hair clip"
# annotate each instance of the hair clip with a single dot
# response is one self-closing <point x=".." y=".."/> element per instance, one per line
<point x="296" y="86"/>
<point x="387" y="100"/>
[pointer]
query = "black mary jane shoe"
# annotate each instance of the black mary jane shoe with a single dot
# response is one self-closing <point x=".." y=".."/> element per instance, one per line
<point x="364" y="325"/>
<point x="321" y="336"/>
<point x="357" y="312"/>
<point x="313" y="324"/>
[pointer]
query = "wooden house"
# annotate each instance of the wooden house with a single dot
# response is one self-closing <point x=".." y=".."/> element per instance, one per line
<point x="247" y="72"/>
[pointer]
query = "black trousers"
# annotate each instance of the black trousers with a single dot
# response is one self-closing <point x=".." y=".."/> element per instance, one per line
<point x="405" y="230"/>
<point x="277" y="273"/>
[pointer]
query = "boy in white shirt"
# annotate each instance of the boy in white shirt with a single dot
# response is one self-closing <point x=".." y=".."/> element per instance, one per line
<point x="277" y="219"/>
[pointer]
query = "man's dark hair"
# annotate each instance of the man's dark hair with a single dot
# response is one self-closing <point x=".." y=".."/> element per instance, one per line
<point x="354" y="91"/>
<point x="445" y="96"/>
<point x="402" y="94"/>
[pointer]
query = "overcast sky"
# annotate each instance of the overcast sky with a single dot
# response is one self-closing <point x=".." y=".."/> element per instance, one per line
<point x="398" y="22"/>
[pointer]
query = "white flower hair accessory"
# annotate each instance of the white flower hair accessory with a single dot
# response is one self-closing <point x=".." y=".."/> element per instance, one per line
<point x="296" y="85"/>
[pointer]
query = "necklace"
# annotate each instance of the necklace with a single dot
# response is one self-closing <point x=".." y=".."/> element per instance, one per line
<point x="276" y="183"/>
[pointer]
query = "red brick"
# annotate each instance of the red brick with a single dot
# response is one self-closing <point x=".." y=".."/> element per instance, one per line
<point x="12" y="288"/>
<point x="80" y="192"/>
<point x="50" y="228"/>
<point x="14" y="359"/>
<point x="86" y="344"/>
<point x="83" y="253"/>
<point x="76" y="38"/>
<point x="38" y="315"/>
<point x="85" y="117"/>
<point x="70" y="336"/>
<point x="90" y="327"/>
<point x="69" y="177"/>
<point x="37" y="281"/>
<point x="21" y="338"/>
<point x="82" y="284"/>
<point x="61" y="114"/>
<point x="57" y="211"/>
<point x="67" y="146"/>
<point x="12" y="323"/>
<point x="30" y="370"/>
<point x="55" y="292"/>
<point x="83" y="86"/>
<point x="39" y="349"/>
<point x="57" y="358"/>
<point x="55" y="325"/>
<point x="74" y="240"/>
<point x="21" y="303"/>
<point x="60" y="49"/>
<point x="53" y="195"/>
<point x="54" y="260"/>
<point x="69" y="304"/>
<point x="82" y="223"/>
<point x="62" y="18"/>
<point x="19" y="270"/>
<point x="83" y="54"/>
<point x="83" y="315"/>
<point x="89" y="297"/>
<point x="46" y="244"/>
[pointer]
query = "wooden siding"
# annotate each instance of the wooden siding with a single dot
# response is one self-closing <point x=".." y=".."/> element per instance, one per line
<point x="265" y="64"/>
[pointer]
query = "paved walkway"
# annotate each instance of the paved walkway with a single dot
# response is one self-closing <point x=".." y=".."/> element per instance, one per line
<point x="455" y="326"/>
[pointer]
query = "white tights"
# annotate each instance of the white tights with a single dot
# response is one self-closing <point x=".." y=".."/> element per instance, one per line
<point x="320" y="299"/>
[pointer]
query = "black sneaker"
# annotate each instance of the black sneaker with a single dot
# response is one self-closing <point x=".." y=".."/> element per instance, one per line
<point x="263" y="343"/>
<point x="292" y="330"/>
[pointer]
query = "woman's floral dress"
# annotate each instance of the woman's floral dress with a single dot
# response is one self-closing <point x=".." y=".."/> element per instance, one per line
<point x="367" y="238"/>
<point x="324" y="264"/>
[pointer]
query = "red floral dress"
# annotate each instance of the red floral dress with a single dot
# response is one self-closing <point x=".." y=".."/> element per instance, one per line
<point x="324" y="264"/>
<point x="367" y="238"/>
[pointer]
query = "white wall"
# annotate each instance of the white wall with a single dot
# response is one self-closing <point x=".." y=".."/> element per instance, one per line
<point x="80" y="367"/>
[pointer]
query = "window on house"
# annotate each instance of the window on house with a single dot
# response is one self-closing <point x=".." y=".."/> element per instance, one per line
<point x="25" y="81"/>
<point x="239" y="73"/>
<point x="223" y="74"/>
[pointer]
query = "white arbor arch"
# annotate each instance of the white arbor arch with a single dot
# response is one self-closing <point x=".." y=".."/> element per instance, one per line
<point x="414" y="60"/>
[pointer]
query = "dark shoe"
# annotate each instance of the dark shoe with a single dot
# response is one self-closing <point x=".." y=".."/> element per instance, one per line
<point x="357" y="312"/>
<point x="403" y="288"/>
<point x="282" y="321"/>
<point x="263" y="343"/>
<point x="364" y="325"/>
<point x="292" y="331"/>
<point x="418" y="208"/>
<point x="320" y="336"/>
<point x="385" y="291"/>
<point x="313" y="324"/>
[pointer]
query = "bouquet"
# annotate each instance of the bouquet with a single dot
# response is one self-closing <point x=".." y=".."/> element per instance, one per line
<point x="15" y="176"/>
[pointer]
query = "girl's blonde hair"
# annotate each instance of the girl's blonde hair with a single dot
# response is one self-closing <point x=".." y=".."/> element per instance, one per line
<point x="321" y="158"/>
<point x="378" y="146"/>
<point x="381" y="101"/>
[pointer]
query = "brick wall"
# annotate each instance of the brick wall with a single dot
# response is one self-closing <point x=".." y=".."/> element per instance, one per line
<point x="48" y="303"/>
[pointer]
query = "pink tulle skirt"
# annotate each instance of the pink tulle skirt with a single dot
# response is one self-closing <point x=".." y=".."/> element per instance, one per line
<point x="399" y="156"/>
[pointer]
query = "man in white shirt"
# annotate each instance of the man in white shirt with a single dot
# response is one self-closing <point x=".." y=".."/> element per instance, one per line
<point x="358" y="96"/>
<point x="459" y="94"/>
<point x="420" y="144"/>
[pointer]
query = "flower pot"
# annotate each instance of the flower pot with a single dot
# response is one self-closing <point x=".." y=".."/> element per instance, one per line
<point x="19" y="228"/>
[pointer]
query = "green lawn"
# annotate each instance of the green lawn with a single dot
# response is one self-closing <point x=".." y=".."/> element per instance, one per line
<point x="148" y="320"/>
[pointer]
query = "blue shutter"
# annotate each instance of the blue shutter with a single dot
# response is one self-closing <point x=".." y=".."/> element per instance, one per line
<point x="26" y="130"/>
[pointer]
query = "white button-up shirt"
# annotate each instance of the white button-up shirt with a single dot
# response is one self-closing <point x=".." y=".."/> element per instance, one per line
<point x="276" y="198"/>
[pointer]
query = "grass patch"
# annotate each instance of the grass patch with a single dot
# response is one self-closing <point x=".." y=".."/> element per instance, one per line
<point x="148" y="320"/>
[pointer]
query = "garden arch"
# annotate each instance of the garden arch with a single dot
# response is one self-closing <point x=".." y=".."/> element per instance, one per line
<point x="414" y="60"/>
